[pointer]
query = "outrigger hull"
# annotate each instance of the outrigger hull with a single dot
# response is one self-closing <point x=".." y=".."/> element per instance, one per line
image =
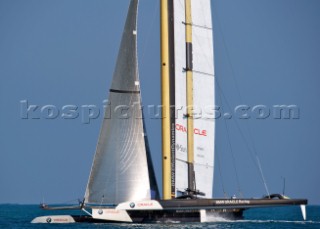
<point x="172" y="211"/>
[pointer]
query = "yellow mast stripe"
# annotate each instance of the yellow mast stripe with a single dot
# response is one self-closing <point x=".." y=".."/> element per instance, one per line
<point x="189" y="85"/>
<point x="165" y="98"/>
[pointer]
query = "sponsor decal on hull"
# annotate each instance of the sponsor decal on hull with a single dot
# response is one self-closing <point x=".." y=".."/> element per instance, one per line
<point x="231" y="202"/>
<point x="110" y="214"/>
<point x="54" y="219"/>
<point x="140" y="205"/>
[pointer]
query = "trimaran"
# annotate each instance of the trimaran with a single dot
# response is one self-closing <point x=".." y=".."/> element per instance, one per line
<point x="122" y="185"/>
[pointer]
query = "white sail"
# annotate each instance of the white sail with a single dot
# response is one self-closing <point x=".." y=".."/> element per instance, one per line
<point x="122" y="169"/>
<point x="204" y="95"/>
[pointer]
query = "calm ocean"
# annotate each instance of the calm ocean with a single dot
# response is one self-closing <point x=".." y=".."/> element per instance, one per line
<point x="19" y="216"/>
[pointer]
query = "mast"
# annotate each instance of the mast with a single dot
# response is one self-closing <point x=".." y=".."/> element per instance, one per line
<point x="189" y="116"/>
<point x="165" y="99"/>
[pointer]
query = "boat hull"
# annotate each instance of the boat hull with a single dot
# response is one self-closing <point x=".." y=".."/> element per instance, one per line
<point x="151" y="217"/>
<point x="172" y="211"/>
<point x="185" y="216"/>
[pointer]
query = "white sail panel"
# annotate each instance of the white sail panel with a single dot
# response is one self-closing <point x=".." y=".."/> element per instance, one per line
<point x="120" y="171"/>
<point x="204" y="94"/>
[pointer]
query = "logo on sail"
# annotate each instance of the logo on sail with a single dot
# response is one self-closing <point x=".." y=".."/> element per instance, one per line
<point x="197" y="131"/>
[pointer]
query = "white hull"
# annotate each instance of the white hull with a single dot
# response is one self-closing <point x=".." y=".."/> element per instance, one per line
<point x="178" y="210"/>
<point x="54" y="219"/>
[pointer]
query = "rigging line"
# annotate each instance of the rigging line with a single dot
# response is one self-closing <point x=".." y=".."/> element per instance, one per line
<point x="253" y="158"/>
<point x="198" y="26"/>
<point x="232" y="153"/>
<point x="262" y="175"/>
<point x="70" y="201"/>
<point x="237" y="125"/>
<point x="229" y="58"/>
<point x="240" y="97"/>
<point x="258" y="161"/>
<point x="199" y="72"/>
<point x="233" y="159"/>
<point x="220" y="175"/>
<point x="151" y="28"/>
<point x="181" y="160"/>
<point x="101" y="201"/>
<point x="203" y="73"/>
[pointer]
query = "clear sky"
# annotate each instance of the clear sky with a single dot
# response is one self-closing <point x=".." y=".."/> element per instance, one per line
<point x="267" y="52"/>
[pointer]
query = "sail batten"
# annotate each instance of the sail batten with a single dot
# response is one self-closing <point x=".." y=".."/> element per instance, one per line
<point x="122" y="169"/>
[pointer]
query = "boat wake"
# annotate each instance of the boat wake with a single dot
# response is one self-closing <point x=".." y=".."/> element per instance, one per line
<point x="279" y="221"/>
<point x="219" y="222"/>
<point x="222" y="220"/>
<point x="213" y="217"/>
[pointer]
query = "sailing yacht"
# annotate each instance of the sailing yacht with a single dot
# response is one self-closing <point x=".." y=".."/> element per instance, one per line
<point x="122" y="185"/>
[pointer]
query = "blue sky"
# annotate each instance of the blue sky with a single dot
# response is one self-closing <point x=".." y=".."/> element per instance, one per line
<point x="60" y="53"/>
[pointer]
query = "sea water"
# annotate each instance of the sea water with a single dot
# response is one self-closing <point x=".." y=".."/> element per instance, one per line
<point x="20" y="216"/>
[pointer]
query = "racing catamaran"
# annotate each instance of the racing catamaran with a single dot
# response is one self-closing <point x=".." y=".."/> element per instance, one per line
<point x="122" y="185"/>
